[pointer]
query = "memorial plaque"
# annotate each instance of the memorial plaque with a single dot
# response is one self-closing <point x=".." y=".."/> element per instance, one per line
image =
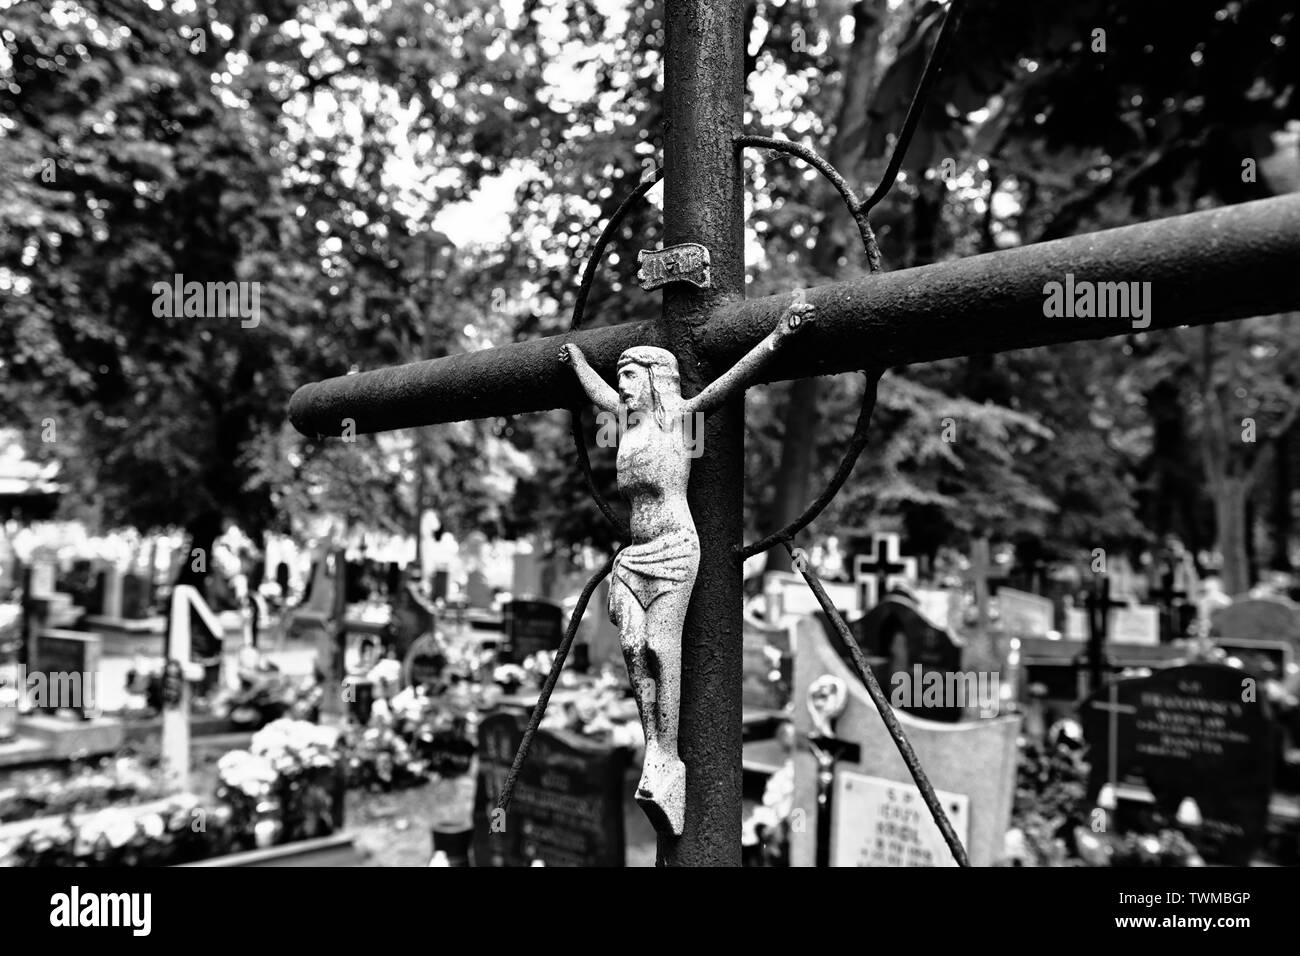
<point x="879" y="822"/>
<point x="532" y="626"/>
<point x="1188" y="732"/>
<point x="567" y="808"/>
<point x="1022" y="613"/>
<point x="1139" y="624"/>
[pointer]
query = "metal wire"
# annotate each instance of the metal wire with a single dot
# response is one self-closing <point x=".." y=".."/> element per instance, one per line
<point x="886" y="714"/>
<point x="859" y="210"/>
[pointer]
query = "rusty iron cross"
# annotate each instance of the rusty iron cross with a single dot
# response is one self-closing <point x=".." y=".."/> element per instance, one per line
<point x="1213" y="266"/>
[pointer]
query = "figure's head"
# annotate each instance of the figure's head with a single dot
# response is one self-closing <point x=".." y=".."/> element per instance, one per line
<point x="647" y="377"/>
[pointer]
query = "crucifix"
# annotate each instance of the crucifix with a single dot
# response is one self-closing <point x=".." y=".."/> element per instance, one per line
<point x="986" y="303"/>
<point x="827" y="698"/>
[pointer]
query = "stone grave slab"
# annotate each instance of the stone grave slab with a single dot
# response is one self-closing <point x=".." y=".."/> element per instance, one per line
<point x="972" y="762"/>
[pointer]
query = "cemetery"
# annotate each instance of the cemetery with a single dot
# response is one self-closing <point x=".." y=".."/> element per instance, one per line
<point x="666" y="433"/>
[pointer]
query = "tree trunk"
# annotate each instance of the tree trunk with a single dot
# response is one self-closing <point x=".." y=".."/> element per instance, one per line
<point x="1230" y="519"/>
<point x="799" y="444"/>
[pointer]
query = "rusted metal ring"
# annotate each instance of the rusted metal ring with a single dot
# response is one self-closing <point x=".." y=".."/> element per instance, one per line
<point x="579" y="307"/>
<point x="858" y="210"/>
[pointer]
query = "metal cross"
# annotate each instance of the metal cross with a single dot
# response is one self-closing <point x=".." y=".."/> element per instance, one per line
<point x="1205" y="267"/>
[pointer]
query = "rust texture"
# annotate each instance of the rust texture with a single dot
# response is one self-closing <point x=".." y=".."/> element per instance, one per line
<point x="1213" y="266"/>
<point x="703" y="202"/>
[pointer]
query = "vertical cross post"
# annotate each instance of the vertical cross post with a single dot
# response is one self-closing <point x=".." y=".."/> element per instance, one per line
<point x="704" y="84"/>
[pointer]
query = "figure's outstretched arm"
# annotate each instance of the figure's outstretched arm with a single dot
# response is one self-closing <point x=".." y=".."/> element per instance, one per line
<point x="799" y="314"/>
<point x="597" y="389"/>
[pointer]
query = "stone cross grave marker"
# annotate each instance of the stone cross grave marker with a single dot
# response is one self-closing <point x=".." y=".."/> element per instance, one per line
<point x="984" y="304"/>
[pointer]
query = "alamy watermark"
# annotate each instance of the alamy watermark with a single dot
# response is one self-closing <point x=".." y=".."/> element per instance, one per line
<point x="55" y="690"/>
<point x="213" y="300"/>
<point x="967" y="690"/>
<point x="687" y="430"/>
<point x="1085" y="299"/>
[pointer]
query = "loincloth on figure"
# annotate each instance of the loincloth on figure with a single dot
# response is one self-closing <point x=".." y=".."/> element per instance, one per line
<point x="650" y="570"/>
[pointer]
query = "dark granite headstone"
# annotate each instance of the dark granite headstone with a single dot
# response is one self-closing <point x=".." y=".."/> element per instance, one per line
<point x="532" y="626"/>
<point x="1186" y="732"/>
<point x="440" y="585"/>
<point x="896" y="630"/>
<point x="567" y="808"/>
<point x="412" y="616"/>
<point x="135" y="597"/>
<point x="66" y="661"/>
<point x="478" y="593"/>
<point x="425" y="662"/>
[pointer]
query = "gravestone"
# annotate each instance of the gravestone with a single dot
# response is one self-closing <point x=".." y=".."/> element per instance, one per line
<point x="532" y="626"/>
<point x="412" y="616"/>
<point x="1022" y="613"/>
<point x="526" y="580"/>
<point x="65" y="658"/>
<point x="766" y="665"/>
<point x="788" y="596"/>
<point x="112" y="591"/>
<point x="567" y="808"/>
<point x="440" y="586"/>
<point x="604" y="646"/>
<point x="478" y="594"/>
<point x="877" y="816"/>
<point x="425" y="662"/>
<point x="1137" y="624"/>
<point x="135" y="597"/>
<point x="915" y="647"/>
<point x="1181" y="733"/>
<point x="1265" y="632"/>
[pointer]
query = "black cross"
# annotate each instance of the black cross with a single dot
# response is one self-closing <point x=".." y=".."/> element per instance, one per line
<point x="1099" y="605"/>
<point x="879" y="565"/>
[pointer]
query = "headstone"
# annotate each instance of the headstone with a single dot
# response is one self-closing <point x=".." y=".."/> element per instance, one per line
<point x="1022" y="613"/>
<point x="112" y="577"/>
<point x="440" y="586"/>
<point x="425" y="662"/>
<point x="1266" y="619"/>
<point x="915" y="647"/>
<point x="878" y="816"/>
<point x="766" y="665"/>
<point x="135" y="597"/>
<point x="526" y="581"/>
<point x="598" y="632"/>
<point x="1186" y="732"/>
<point x="532" y="626"/>
<point x="68" y="660"/>
<point x="1138" y="624"/>
<point x="41" y="582"/>
<point x="478" y="594"/>
<point x="412" y="616"/>
<point x="567" y="808"/>
<point x="788" y="596"/>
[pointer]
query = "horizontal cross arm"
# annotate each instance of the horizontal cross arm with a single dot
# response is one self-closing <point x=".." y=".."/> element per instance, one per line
<point x="1228" y="263"/>
<point x="1221" y="264"/>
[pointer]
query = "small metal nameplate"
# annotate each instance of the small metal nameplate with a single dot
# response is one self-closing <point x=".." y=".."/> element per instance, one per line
<point x="688" y="262"/>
